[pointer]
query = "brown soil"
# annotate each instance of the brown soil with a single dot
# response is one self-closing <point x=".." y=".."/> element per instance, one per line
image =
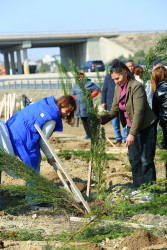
<point x="141" y="239"/>
<point x="52" y="222"/>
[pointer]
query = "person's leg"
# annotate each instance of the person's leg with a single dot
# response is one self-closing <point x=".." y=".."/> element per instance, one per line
<point x="135" y="161"/>
<point x="116" y="127"/>
<point x="87" y="126"/>
<point x="164" y="128"/>
<point x="6" y="144"/>
<point x="125" y="133"/>
<point x="148" y="144"/>
<point x="5" y="141"/>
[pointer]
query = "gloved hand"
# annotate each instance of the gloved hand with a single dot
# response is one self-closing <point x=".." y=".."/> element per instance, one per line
<point x="50" y="161"/>
<point x="102" y="122"/>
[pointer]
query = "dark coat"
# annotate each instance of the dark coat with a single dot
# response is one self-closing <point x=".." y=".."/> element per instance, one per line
<point x="159" y="102"/>
<point x="107" y="93"/>
<point x="78" y="93"/>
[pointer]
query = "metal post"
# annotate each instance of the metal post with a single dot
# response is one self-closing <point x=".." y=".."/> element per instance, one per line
<point x="6" y="60"/>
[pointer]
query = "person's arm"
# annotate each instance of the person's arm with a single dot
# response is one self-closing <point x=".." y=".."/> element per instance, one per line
<point x="104" y="92"/>
<point x="95" y="93"/>
<point x="138" y="100"/>
<point x="155" y="105"/>
<point x="47" y="129"/>
<point x="74" y="92"/>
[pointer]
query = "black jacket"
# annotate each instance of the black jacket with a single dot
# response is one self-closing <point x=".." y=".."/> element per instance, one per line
<point x="108" y="89"/>
<point x="159" y="103"/>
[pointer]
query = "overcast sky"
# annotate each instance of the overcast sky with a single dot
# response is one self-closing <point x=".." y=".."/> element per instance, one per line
<point x="22" y="16"/>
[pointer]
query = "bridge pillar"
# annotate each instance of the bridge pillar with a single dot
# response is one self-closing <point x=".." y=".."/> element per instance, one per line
<point x="75" y="52"/>
<point x="26" y="66"/>
<point x="93" y="49"/>
<point x="6" y="61"/>
<point x="80" y="53"/>
<point x="19" y="67"/>
<point x="13" y="62"/>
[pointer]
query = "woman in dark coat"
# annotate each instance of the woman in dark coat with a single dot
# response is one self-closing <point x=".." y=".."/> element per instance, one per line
<point x="130" y="102"/>
<point x="159" y="102"/>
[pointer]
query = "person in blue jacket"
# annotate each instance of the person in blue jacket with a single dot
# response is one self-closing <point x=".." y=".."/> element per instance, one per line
<point x="48" y="114"/>
<point x="107" y="96"/>
<point x="20" y="137"/>
<point x="82" y="108"/>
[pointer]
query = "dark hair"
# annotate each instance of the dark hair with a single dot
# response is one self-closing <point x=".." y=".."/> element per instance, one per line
<point x="117" y="66"/>
<point x="158" y="75"/>
<point x="68" y="101"/>
<point x="138" y="70"/>
<point x="130" y="60"/>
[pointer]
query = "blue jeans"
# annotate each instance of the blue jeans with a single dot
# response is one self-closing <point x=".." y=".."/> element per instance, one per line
<point x="117" y="131"/>
<point x="141" y="156"/>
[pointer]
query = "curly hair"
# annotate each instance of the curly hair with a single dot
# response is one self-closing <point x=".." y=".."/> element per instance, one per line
<point x="158" y="75"/>
<point x="68" y="101"/>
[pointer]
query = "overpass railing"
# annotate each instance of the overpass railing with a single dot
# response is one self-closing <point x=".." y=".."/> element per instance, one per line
<point x="42" y="83"/>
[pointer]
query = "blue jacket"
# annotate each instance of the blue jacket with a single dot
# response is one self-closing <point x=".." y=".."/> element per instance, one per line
<point x="78" y="93"/>
<point x="23" y="134"/>
<point x="108" y="89"/>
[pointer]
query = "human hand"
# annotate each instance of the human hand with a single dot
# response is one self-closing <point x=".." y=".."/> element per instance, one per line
<point x="130" y="140"/>
<point x="50" y="161"/>
<point x="103" y="105"/>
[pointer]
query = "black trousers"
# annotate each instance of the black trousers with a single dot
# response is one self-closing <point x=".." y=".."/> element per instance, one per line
<point x="164" y="129"/>
<point x="87" y="124"/>
<point x="141" y="156"/>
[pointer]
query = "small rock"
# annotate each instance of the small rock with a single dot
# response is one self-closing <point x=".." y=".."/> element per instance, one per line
<point x="2" y="213"/>
<point x="125" y="248"/>
<point x="113" y="170"/>
<point x="107" y="240"/>
<point x="34" y="216"/>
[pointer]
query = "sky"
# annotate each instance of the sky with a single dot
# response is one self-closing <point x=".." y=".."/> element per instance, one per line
<point x="44" y="16"/>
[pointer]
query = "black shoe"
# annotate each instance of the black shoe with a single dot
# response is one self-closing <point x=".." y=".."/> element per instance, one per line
<point x="118" y="143"/>
<point x="86" y="137"/>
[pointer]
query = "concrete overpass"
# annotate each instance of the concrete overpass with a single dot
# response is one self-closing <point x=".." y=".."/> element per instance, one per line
<point x="79" y="46"/>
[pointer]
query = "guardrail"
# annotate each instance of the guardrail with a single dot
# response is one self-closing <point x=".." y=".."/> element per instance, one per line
<point x="40" y="83"/>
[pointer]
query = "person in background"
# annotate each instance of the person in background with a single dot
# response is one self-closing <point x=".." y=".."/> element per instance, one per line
<point x="158" y="65"/>
<point x="148" y="89"/>
<point x="24" y="137"/>
<point x="82" y="108"/>
<point x="159" y="102"/>
<point x="130" y="102"/>
<point x="130" y="65"/>
<point x="138" y="73"/>
<point x="106" y="103"/>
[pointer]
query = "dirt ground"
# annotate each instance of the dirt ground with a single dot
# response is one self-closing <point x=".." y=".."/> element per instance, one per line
<point x="118" y="177"/>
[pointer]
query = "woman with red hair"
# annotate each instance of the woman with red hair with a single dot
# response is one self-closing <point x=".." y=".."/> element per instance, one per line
<point x="159" y="104"/>
<point x="159" y="86"/>
<point x="138" y="73"/>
